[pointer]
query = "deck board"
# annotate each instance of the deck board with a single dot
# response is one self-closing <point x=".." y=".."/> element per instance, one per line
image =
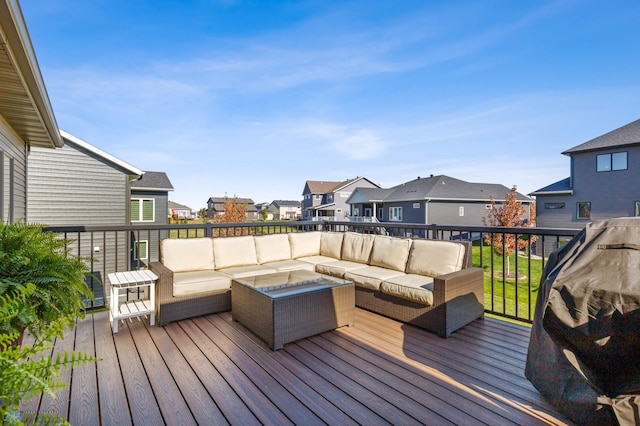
<point x="212" y="370"/>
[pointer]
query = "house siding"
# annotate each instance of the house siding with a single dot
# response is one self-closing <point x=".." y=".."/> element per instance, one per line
<point x="13" y="148"/>
<point x="69" y="186"/>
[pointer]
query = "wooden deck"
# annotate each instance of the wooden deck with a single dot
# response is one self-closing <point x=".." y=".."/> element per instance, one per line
<point x="211" y="370"/>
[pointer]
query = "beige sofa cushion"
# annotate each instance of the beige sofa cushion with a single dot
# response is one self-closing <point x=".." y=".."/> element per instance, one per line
<point x="185" y="283"/>
<point x="247" y="271"/>
<point x="370" y="276"/>
<point x="304" y="244"/>
<point x="331" y="244"/>
<point x="234" y="251"/>
<point x="290" y="265"/>
<point x="391" y="253"/>
<point x="337" y="268"/>
<point x="315" y="260"/>
<point x="187" y="254"/>
<point x="272" y="248"/>
<point x="417" y="288"/>
<point x="435" y="258"/>
<point x="357" y="247"/>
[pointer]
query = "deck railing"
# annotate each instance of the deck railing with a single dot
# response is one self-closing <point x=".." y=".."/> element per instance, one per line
<point x="511" y="282"/>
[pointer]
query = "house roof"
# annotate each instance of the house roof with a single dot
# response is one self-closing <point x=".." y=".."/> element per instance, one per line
<point x="283" y="203"/>
<point x="447" y="188"/>
<point x="368" y="195"/>
<point x="128" y="168"/>
<point x="561" y="187"/>
<point x="176" y="206"/>
<point x="24" y="102"/>
<point x="218" y="203"/>
<point x="152" y="181"/>
<point x="628" y="134"/>
<point x="326" y="187"/>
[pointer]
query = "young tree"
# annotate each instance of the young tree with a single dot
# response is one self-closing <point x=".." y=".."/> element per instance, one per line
<point x="234" y="212"/>
<point x="509" y="214"/>
<point x="202" y="214"/>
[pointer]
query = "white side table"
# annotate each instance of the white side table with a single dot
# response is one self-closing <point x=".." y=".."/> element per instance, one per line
<point x="135" y="308"/>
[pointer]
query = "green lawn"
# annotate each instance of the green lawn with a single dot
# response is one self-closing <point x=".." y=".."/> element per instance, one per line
<point x="504" y="290"/>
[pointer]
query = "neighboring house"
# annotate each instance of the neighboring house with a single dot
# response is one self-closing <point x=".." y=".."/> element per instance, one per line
<point x="215" y="207"/>
<point x="181" y="211"/>
<point x="26" y="117"/>
<point x="605" y="173"/>
<point x="285" y="209"/>
<point x="325" y="200"/>
<point x="439" y="200"/>
<point x="264" y="207"/>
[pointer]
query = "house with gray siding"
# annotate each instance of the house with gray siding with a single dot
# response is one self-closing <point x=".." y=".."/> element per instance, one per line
<point x="439" y="200"/>
<point x="149" y="204"/>
<point x="180" y="211"/>
<point x="285" y="209"/>
<point x="603" y="182"/>
<point x="26" y="116"/>
<point x="215" y="207"/>
<point x="327" y="200"/>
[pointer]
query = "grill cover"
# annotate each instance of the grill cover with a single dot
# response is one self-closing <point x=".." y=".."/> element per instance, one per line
<point x="584" y="353"/>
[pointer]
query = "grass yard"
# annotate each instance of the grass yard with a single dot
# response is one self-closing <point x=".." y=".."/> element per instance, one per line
<point x="501" y="294"/>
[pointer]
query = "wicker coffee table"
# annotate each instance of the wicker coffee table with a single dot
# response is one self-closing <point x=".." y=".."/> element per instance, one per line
<point x="287" y="306"/>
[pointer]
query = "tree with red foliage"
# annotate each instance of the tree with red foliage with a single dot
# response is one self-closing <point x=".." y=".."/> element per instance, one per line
<point x="234" y="212"/>
<point x="510" y="214"/>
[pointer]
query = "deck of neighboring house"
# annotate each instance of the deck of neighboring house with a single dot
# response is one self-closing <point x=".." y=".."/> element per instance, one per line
<point x="212" y="370"/>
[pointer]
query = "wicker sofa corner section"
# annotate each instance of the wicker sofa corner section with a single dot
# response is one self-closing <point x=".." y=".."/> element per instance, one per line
<point x="458" y="297"/>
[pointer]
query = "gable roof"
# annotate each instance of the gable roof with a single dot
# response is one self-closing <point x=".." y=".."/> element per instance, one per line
<point x="152" y="181"/>
<point x="628" y="134"/>
<point x="24" y="102"/>
<point x="218" y="203"/>
<point x="561" y="187"/>
<point x="326" y="187"/>
<point x="128" y="168"/>
<point x="283" y="203"/>
<point x="176" y="206"/>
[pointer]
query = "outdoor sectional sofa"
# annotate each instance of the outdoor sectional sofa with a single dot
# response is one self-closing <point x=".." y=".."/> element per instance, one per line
<point x="428" y="283"/>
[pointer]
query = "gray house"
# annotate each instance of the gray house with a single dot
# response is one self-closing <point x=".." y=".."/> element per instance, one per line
<point x="215" y="207"/>
<point x="150" y="198"/>
<point x="285" y="209"/>
<point x="26" y="117"/>
<point x="180" y="211"/>
<point x="434" y="200"/>
<point x="326" y="200"/>
<point x="603" y="183"/>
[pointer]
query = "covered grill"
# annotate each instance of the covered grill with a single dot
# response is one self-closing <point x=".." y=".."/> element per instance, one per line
<point x="584" y="353"/>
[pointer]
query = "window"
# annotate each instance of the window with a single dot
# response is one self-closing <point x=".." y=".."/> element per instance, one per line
<point x="141" y="250"/>
<point x="637" y="209"/>
<point x="584" y="210"/>
<point x="609" y="162"/>
<point x="395" y="214"/>
<point x="380" y="214"/>
<point x="416" y="205"/>
<point x="142" y="210"/>
<point x="553" y="206"/>
<point x="461" y="211"/>
<point x="344" y="194"/>
<point x="329" y="198"/>
<point x="318" y="196"/>
<point x="7" y="187"/>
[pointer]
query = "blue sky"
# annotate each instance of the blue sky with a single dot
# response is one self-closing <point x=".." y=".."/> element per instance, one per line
<point x="253" y="98"/>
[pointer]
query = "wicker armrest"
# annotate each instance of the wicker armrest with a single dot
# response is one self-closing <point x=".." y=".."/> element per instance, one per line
<point x="460" y="283"/>
<point x="164" y="285"/>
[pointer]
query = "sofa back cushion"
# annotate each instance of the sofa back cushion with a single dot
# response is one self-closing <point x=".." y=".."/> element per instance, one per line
<point x="304" y="244"/>
<point x="434" y="258"/>
<point x="331" y="244"/>
<point x="272" y="248"/>
<point x="234" y="251"/>
<point x="390" y="252"/>
<point x="357" y="247"/>
<point x="187" y="254"/>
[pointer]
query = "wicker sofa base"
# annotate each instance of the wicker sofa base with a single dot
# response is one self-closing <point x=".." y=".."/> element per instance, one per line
<point x="442" y="319"/>
<point x="170" y="308"/>
<point x="287" y="319"/>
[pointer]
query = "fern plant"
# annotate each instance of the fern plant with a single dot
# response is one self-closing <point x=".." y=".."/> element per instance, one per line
<point x="42" y="287"/>
<point x="29" y="255"/>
